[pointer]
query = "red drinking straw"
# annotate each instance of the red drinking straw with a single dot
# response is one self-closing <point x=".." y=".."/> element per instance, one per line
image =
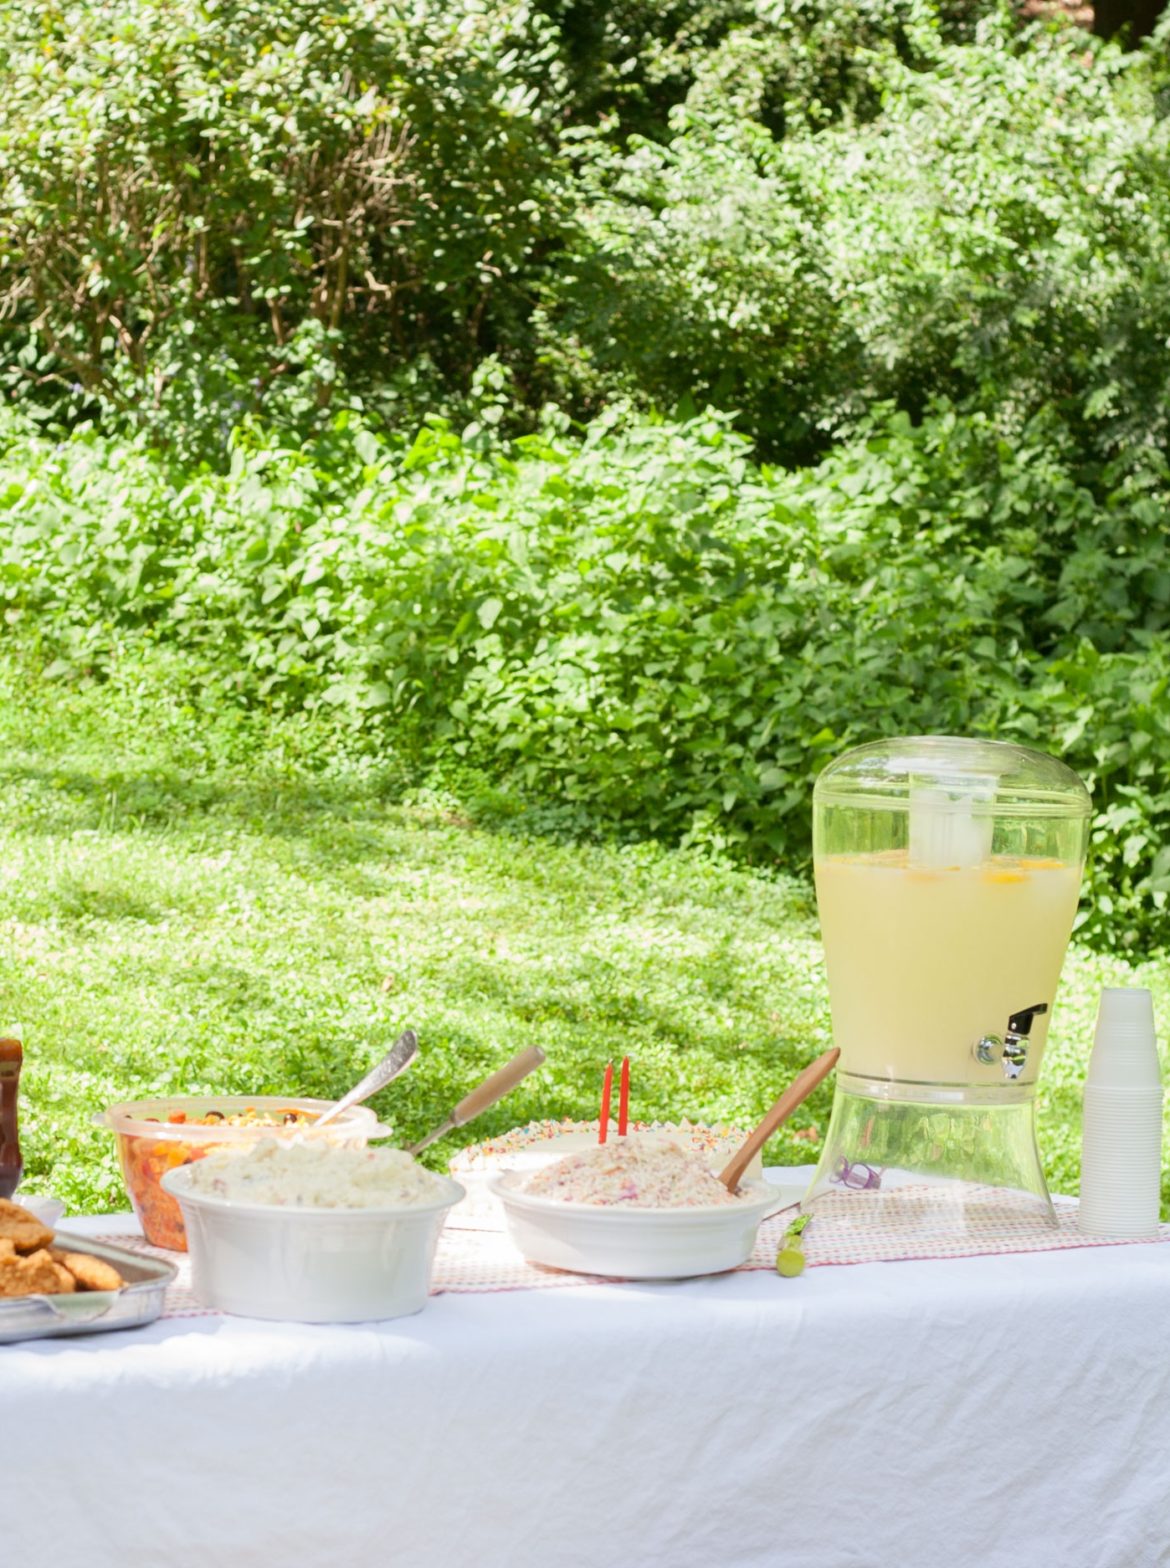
<point x="606" y="1091"/>
<point x="624" y="1098"/>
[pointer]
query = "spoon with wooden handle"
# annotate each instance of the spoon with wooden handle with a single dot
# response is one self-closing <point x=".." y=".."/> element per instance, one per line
<point x="797" y="1091"/>
<point x="501" y="1082"/>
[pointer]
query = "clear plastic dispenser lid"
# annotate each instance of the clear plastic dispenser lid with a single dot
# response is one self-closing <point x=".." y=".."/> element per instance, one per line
<point x="991" y="778"/>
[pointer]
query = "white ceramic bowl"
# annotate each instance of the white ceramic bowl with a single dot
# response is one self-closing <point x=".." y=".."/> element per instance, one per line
<point x="310" y="1265"/>
<point x="475" y="1167"/>
<point x="629" y="1243"/>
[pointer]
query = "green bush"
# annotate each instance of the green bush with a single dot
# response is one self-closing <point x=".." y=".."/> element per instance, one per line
<point x="784" y="61"/>
<point x="209" y="208"/>
<point x="641" y="625"/>
<point x="787" y="209"/>
<point x="983" y="221"/>
<point x="703" y="280"/>
<point x="996" y="236"/>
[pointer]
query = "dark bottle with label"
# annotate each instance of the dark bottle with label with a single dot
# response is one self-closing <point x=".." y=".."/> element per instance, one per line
<point x="11" y="1164"/>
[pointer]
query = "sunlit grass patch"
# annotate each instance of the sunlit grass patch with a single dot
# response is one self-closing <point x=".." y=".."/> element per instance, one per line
<point x="270" y="923"/>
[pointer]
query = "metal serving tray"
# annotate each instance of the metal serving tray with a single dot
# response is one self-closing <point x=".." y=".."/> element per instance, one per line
<point x="91" y="1311"/>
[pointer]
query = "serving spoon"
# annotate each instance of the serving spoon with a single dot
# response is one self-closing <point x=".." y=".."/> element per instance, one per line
<point x="494" y="1088"/>
<point x="396" y="1060"/>
<point x="797" y="1091"/>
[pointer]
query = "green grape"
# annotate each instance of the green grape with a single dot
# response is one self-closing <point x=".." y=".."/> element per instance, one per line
<point x="789" y="1262"/>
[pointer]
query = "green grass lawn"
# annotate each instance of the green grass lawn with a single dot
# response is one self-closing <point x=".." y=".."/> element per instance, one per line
<point x="200" y="902"/>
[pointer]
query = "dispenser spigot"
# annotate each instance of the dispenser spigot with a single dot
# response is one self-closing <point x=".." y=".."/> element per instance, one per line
<point x="1012" y="1049"/>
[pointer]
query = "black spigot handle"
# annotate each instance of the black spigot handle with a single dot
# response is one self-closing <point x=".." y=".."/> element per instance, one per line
<point x="1021" y="1023"/>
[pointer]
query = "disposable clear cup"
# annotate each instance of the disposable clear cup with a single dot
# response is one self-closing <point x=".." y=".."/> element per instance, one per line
<point x="1135" y="1228"/>
<point x="1137" y="1069"/>
<point x="1122" y="1097"/>
<point x="1111" y="1219"/>
<point x="1123" y="1006"/>
<point x="1132" y="1188"/>
<point x="1107" y="1156"/>
<point x="1115" y="1138"/>
<point x="1119" y="1125"/>
<point x="1120" y="1178"/>
<point x="1107" y="1217"/>
<point x="1114" y="1148"/>
<point x="1103" y="1162"/>
<point x="1123" y="1094"/>
<point x="1136" y="1181"/>
<point x="1122" y="1120"/>
<point x="1116" y="1131"/>
<point x="1121" y="1191"/>
<point x="1116" y="1170"/>
<point x="1121" y="1162"/>
<point x="1125" y="1046"/>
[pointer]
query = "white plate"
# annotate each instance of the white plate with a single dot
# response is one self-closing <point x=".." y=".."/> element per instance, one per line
<point x="628" y="1243"/>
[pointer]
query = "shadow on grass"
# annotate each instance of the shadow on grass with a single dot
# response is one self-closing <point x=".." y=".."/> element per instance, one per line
<point x="346" y="824"/>
<point x="73" y="898"/>
<point x="68" y="800"/>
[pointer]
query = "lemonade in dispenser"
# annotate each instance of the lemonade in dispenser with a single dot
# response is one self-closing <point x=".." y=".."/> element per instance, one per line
<point x="947" y="878"/>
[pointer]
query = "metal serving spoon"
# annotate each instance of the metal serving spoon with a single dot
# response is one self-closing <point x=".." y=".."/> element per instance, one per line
<point x="396" y="1060"/>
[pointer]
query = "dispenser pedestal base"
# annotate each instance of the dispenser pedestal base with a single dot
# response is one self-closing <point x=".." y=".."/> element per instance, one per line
<point x="930" y="1157"/>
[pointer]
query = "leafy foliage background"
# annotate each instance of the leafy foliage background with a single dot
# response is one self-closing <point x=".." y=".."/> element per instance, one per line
<point x="642" y="627"/>
<point x="622" y="407"/>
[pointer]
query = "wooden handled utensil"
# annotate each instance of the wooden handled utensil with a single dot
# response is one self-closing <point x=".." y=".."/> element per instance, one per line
<point x="501" y="1082"/>
<point x="797" y="1091"/>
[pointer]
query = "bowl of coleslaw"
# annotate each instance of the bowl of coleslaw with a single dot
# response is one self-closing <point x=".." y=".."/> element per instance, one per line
<point x="630" y="1212"/>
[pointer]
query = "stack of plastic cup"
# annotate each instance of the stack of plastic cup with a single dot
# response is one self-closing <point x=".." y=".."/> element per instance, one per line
<point x="1121" y="1146"/>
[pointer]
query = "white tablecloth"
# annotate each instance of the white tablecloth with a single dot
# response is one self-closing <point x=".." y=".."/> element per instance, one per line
<point x="1004" y="1412"/>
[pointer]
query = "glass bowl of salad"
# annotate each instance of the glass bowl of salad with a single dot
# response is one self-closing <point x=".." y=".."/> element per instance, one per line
<point x="155" y="1136"/>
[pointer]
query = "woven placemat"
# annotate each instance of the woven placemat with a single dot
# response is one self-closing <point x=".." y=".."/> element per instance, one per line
<point x="476" y="1254"/>
<point x="916" y="1223"/>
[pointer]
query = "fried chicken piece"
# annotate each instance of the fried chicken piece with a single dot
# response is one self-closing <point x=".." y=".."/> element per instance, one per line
<point x="35" y="1275"/>
<point x="90" y="1273"/>
<point x="23" y="1229"/>
<point x="65" y="1282"/>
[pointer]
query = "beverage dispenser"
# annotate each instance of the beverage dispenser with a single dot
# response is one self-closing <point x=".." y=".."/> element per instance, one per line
<point x="947" y="878"/>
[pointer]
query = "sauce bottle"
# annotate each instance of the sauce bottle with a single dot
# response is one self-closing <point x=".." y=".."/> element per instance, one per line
<point x="11" y="1164"/>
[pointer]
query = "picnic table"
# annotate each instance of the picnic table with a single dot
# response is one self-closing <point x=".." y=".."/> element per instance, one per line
<point x="983" y="1412"/>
